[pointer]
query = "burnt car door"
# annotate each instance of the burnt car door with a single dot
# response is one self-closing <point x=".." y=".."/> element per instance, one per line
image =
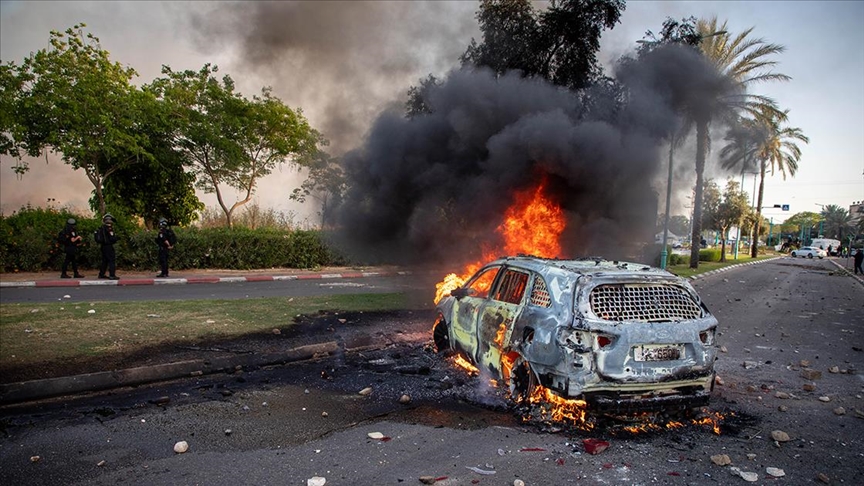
<point x="496" y="317"/>
<point x="467" y="309"/>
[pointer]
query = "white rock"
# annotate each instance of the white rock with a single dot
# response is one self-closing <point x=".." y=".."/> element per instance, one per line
<point x="91" y="311"/>
<point x="375" y="435"/>
<point x="518" y="482"/>
<point x="365" y="391"/>
<point x="67" y="296"/>
<point x="825" y="399"/>
<point x="780" y="436"/>
<point x="404" y="399"/>
<point x="210" y="321"/>
<point x="316" y="481"/>
<point x="181" y="447"/>
<point x="775" y="471"/>
<point x="101" y="463"/>
<point x="746" y="476"/>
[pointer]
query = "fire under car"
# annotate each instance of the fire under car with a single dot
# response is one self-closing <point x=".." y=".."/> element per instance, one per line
<point x="623" y="337"/>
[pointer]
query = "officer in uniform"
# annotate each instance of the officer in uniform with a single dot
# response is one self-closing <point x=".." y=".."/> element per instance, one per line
<point x="165" y="240"/>
<point x="106" y="238"/>
<point x="70" y="239"/>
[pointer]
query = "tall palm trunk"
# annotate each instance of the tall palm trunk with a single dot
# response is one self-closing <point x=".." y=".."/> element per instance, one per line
<point x="754" y="250"/>
<point x="701" y="149"/>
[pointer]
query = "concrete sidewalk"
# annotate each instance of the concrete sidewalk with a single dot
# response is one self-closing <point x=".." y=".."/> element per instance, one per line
<point x="196" y="277"/>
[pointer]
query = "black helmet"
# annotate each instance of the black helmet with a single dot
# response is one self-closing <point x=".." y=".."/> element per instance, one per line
<point x="70" y="221"/>
<point x="163" y="223"/>
<point x="107" y="218"/>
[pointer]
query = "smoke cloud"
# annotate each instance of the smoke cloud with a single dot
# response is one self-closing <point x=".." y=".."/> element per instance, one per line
<point x="341" y="62"/>
<point x="433" y="189"/>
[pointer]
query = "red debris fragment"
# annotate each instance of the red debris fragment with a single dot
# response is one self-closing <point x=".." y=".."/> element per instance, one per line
<point x="440" y="478"/>
<point x="532" y="449"/>
<point x="608" y="465"/>
<point x="475" y="481"/>
<point x="595" y="446"/>
<point x="673" y="473"/>
<point x="386" y="439"/>
<point x="560" y="461"/>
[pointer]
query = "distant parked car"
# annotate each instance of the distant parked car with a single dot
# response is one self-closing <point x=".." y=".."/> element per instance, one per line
<point x="809" y="252"/>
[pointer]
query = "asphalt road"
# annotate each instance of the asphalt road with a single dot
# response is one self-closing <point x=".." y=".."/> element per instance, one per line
<point x="203" y="291"/>
<point x="786" y="326"/>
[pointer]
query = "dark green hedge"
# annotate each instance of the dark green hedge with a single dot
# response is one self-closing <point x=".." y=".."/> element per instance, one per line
<point x="28" y="244"/>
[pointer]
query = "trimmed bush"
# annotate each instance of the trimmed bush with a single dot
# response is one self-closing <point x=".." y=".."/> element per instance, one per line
<point x="709" y="255"/>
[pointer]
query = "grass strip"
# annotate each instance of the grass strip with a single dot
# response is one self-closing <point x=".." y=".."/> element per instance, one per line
<point x="38" y="333"/>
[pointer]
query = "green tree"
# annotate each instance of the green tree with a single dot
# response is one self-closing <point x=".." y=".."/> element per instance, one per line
<point x="325" y="183"/>
<point x="74" y="100"/>
<point x="559" y="44"/>
<point x="742" y="61"/>
<point x="729" y="212"/>
<point x="418" y="97"/>
<point x="227" y="139"/>
<point x="679" y="224"/>
<point x="765" y="143"/>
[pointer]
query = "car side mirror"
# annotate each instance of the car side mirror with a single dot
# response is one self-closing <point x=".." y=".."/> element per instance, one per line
<point x="459" y="292"/>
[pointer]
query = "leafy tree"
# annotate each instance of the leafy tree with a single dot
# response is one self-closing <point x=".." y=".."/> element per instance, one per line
<point x="325" y="183"/>
<point x="418" y="97"/>
<point x="765" y="143"/>
<point x="801" y="221"/>
<point x="679" y="224"/>
<point x="559" y="44"/>
<point x="73" y="99"/>
<point x="730" y="211"/>
<point x="228" y="139"/>
<point x="711" y="204"/>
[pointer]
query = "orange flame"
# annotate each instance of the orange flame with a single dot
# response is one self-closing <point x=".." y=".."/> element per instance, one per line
<point x="556" y="409"/>
<point x="461" y="362"/>
<point x="532" y="225"/>
<point x="499" y="335"/>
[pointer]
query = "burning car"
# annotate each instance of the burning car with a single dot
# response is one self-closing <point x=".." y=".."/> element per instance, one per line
<point x="623" y="337"/>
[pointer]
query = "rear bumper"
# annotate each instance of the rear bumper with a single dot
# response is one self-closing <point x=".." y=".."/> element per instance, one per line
<point x="612" y="403"/>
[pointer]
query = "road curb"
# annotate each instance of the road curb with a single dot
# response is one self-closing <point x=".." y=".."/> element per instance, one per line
<point x="730" y="267"/>
<point x="12" y="393"/>
<point x="197" y="280"/>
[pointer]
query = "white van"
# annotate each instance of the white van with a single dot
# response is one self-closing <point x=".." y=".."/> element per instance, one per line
<point x="824" y="243"/>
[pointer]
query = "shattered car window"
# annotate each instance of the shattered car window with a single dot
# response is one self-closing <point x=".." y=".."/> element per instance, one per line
<point x="480" y="286"/>
<point x="512" y="287"/>
<point x="540" y="294"/>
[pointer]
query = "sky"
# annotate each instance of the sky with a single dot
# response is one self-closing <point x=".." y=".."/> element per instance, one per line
<point x="342" y="63"/>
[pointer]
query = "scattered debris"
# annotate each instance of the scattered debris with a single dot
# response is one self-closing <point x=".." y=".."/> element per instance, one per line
<point x="534" y="449"/>
<point x="825" y="399"/>
<point x="751" y="456"/>
<point x="67" y="296"/>
<point x="91" y="311"/>
<point x="834" y="369"/>
<point x="518" y="482"/>
<point x="809" y="374"/>
<point x="427" y="479"/>
<point x="839" y="411"/>
<point x="749" y="365"/>
<point x="477" y="470"/>
<point x="775" y="472"/>
<point x="809" y="387"/>
<point x="375" y="435"/>
<point x="595" y="446"/>
<point x="153" y="315"/>
<point x="181" y="447"/>
<point x="782" y="395"/>
<point x="780" y="436"/>
<point x="228" y="431"/>
<point x="404" y="399"/>
<point x="823" y="478"/>
<point x="278" y="331"/>
<point x="101" y="463"/>
<point x="210" y="321"/>
<point x="325" y="414"/>
<point x="35" y="458"/>
<point x="721" y="459"/>
<point x="316" y="481"/>
<point x="366" y="391"/>
<point x="750" y="477"/>
<point x="783" y="408"/>
<point x="723" y="349"/>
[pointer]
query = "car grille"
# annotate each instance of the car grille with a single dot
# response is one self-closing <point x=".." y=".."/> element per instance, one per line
<point x="643" y="303"/>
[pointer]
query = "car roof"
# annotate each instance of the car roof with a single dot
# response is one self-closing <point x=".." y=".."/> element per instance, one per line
<point x="582" y="266"/>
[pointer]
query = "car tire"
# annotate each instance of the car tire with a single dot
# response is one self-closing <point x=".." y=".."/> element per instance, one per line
<point x="810" y="256"/>
<point x="522" y="381"/>
<point x="794" y="255"/>
<point x="441" y="335"/>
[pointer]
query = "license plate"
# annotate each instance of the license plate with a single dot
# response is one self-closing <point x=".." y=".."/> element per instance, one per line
<point x="655" y="352"/>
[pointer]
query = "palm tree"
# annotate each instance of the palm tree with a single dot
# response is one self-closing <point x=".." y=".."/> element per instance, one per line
<point x="837" y="222"/>
<point x="765" y="143"/>
<point x="742" y="61"/>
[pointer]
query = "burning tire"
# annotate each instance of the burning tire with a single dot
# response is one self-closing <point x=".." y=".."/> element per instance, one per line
<point x="441" y="335"/>
<point x="522" y="381"/>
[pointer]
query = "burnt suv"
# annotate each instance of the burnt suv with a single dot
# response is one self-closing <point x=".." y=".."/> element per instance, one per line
<point x="624" y="337"/>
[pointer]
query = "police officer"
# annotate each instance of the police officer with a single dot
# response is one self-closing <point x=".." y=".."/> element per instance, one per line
<point x="165" y="240"/>
<point x="106" y="238"/>
<point x="70" y="239"/>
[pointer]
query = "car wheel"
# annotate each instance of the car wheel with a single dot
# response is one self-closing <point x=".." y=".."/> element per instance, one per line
<point x="441" y="335"/>
<point x="522" y="381"/>
<point x="810" y="256"/>
<point x="794" y="255"/>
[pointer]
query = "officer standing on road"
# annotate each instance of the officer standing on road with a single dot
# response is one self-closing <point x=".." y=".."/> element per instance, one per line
<point x="106" y="238"/>
<point x="859" y="258"/>
<point x="165" y="239"/>
<point x="70" y="239"/>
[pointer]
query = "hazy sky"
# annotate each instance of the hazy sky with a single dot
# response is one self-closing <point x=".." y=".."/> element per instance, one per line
<point x="343" y="62"/>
